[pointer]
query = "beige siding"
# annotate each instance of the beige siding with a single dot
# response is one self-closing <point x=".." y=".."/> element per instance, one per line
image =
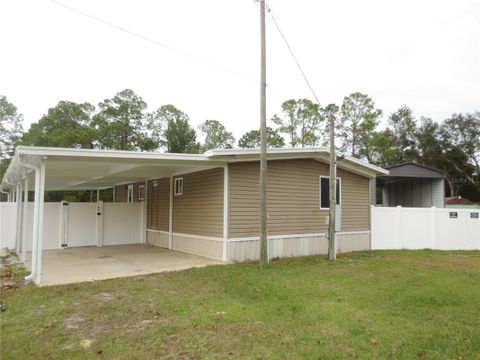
<point x="293" y="198"/>
<point x="199" y="210"/>
<point x="121" y="192"/>
<point x="158" y="204"/>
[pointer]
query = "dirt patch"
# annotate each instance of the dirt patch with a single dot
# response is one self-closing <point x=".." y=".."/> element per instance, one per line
<point x="105" y="296"/>
<point x="74" y="322"/>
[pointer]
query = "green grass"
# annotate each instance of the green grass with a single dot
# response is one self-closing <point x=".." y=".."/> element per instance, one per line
<point x="366" y="305"/>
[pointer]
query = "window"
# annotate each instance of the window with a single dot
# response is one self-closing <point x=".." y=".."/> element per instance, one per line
<point x="325" y="192"/>
<point x="178" y="186"/>
<point x="141" y="192"/>
<point x="130" y="193"/>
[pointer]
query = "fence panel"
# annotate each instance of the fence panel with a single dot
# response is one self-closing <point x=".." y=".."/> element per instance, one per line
<point x="122" y="224"/>
<point x="419" y="228"/>
<point x="8" y="223"/>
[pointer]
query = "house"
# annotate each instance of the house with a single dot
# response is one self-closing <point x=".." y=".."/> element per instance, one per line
<point x="204" y="204"/>
<point x="412" y="185"/>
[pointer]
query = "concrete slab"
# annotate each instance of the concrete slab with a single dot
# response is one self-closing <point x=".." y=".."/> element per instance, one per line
<point x="88" y="263"/>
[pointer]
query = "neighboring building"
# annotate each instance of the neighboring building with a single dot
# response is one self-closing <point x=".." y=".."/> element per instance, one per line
<point x="460" y="202"/>
<point x="412" y="185"/>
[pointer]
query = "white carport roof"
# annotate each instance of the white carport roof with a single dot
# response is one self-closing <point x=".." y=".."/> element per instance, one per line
<point x="85" y="169"/>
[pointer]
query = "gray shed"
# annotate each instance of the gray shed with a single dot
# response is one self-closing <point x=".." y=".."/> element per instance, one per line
<point x="413" y="185"/>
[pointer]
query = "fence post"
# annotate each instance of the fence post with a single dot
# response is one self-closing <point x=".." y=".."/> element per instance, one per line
<point x="400" y="226"/>
<point x="99" y="223"/>
<point x="433" y="227"/>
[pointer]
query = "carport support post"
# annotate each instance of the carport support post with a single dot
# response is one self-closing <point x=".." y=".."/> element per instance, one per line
<point x="225" y="213"/>
<point x="24" y="219"/>
<point x="37" y="238"/>
<point x="170" y="217"/>
<point x="41" y="195"/>
<point x="145" y="212"/>
<point x="18" y="230"/>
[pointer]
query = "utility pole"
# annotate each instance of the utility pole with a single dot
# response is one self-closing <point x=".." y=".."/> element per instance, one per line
<point x="332" y="246"/>
<point x="263" y="141"/>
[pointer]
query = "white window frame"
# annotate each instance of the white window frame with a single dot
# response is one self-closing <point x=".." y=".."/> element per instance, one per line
<point x="141" y="192"/>
<point x="178" y="189"/>
<point x="320" y="192"/>
<point x="130" y="193"/>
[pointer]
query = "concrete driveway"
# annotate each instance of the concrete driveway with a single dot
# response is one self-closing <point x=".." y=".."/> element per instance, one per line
<point x="89" y="263"/>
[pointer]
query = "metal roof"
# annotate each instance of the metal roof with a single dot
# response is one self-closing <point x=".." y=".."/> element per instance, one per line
<point x="415" y="170"/>
<point x="84" y="169"/>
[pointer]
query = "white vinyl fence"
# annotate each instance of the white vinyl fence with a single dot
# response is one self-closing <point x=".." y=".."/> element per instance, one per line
<point x="425" y="228"/>
<point x="78" y="224"/>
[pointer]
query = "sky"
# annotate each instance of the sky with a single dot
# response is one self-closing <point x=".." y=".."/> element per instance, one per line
<point x="425" y="54"/>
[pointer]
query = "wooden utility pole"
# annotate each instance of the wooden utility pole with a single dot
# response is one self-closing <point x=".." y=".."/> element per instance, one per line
<point x="332" y="246"/>
<point x="263" y="141"/>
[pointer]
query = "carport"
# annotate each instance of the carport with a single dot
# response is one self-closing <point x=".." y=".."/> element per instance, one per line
<point x="98" y="263"/>
<point x="44" y="169"/>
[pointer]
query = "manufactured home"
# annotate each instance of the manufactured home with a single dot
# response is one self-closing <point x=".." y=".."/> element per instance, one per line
<point x="203" y="204"/>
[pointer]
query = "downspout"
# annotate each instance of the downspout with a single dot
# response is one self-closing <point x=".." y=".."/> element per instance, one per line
<point x="37" y="220"/>
<point x="24" y="219"/>
<point x="18" y="230"/>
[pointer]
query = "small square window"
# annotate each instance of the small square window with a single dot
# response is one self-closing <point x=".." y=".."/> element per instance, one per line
<point x="178" y="186"/>
<point x="325" y="192"/>
<point x="141" y="192"/>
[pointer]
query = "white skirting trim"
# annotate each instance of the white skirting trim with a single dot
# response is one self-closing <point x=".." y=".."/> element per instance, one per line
<point x="157" y="231"/>
<point x="290" y="236"/>
<point x="209" y="238"/>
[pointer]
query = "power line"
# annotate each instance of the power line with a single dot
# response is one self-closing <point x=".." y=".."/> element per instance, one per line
<point x="152" y="41"/>
<point x="269" y="10"/>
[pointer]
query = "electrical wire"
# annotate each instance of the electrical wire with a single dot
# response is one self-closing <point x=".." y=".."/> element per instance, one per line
<point x="270" y="12"/>
<point x="152" y="41"/>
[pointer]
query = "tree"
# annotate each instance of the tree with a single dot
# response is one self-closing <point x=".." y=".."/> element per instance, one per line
<point x="11" y="128"/>
<point x="463" y="132"/>
<point x="66" y="125"/>
<point x="173" y="130"/>
<point x="251" y="139"/>
<point x="358" y="121"/>
<point x="216" y="136"/>
<point x="302" y="122"/>
<point x="122" y="123"/>
<point x="380" y="150"/>
<point x="404" y="128"/>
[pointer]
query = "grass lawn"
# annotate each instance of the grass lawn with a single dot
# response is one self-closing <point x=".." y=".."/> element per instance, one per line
<point x="366" y="305"/>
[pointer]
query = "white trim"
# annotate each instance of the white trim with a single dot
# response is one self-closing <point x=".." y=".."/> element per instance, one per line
<point x="170" y="215"/>
<point x="198" y="254"/>
<point x="201" y="237"/>
<point x="225" y="211"/>
<point x="354" y="232"/>
<point x="145" y="211"/>
<point x="320" y="191"/>
<point x="180" y="187"/>
<point x="158" y="231"/>
<point x="24" y="219"/>
<point x="195" y="169"/>
<point x="289" y="236"/>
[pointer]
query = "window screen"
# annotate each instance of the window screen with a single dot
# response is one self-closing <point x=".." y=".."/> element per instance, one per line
<point x="178" y="186"/>
<point x="325" y="192"/>
<point x="141" y="192"/>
